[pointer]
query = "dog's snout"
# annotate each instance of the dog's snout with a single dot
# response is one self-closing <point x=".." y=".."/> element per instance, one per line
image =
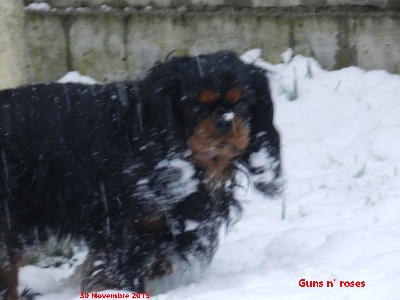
<point x="223" y="125"/>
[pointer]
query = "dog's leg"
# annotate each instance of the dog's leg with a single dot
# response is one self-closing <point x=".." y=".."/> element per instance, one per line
<point x="93" y="272"/>
<point x="262" y="157"/>
<point x="9" y="264"/>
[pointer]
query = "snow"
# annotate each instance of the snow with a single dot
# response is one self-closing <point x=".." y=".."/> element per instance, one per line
<point x="179" y="178"/>
<point x="75" y="76"/>
<point x="287" y="55"/>
<point x="38" y="6"/>
<point x="338" y="219"/>
<point x="262" y="160"/>
<point x="228" y="116"/>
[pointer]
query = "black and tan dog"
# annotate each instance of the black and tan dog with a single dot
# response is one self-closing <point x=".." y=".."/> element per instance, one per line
<point x="143" y="171"/>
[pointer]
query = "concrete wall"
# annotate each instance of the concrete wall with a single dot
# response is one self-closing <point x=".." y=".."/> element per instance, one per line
<point x="216" y="3"/>
<point x="13" y="69"/>
<point x="110" y="39"/>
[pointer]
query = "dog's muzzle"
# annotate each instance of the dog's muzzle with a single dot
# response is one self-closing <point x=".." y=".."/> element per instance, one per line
<point x="217" y="141"/>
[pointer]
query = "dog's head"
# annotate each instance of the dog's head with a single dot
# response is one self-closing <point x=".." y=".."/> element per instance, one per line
<point x="218" y="105"/>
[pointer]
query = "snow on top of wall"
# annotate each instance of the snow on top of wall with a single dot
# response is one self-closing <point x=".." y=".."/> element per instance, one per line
<point x="41" y="6"/>
<point x="75" y="76"/>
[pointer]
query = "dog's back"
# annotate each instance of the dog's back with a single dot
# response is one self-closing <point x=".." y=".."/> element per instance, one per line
<point x="54" y="130"/>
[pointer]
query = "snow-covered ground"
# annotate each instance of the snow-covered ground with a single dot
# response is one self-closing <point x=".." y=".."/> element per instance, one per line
<point x="339" y="219"/>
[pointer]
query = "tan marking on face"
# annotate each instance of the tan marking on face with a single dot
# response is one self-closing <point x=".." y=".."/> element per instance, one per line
<point x="214" y="151"/>
<point x="208" y="97"/>
<point x="233" y="95"/>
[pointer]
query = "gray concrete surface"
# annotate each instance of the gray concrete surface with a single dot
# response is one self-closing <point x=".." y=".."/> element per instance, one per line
<point x="123" y="39"/>
<point x="13" y="64"/>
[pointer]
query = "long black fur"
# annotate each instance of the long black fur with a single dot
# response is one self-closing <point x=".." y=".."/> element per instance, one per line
<point x="110" y="164"/>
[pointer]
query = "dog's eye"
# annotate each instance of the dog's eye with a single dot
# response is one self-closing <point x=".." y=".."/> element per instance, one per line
<point x="197" y="109"/>
<point x="241" y="106"/>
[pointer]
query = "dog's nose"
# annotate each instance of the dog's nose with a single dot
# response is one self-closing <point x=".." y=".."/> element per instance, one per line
<point x="223" y="125"/>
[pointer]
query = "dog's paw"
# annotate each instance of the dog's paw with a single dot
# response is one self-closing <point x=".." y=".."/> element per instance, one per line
<point x="270" y="189"/>
<point x="28" y="294"/>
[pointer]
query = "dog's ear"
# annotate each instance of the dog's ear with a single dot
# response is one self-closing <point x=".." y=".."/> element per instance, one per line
<point x="160" y="90"/>
<point x="263" y="154"/>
